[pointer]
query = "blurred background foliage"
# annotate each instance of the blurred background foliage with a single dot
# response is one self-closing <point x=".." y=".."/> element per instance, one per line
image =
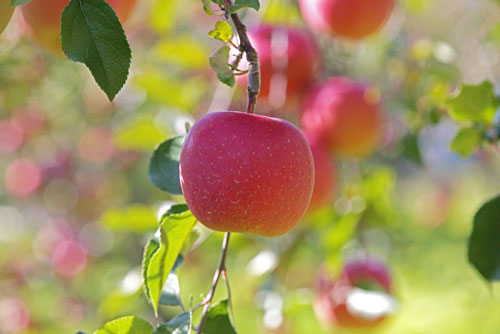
<point x="76" y="206"/>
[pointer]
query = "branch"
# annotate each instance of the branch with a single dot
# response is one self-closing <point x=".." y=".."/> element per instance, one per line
<point x="253" y="88"/>
<point x="220" y="269"/>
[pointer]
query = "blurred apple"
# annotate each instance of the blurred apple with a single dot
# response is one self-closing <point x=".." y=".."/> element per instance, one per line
<point x="325" y="177"/>
<point x="289" y="61"/>
<point x="43" y="18"/>
<point x="360" y="297"/>
<point x="352" y="19"/>
<point x="346" y="115"/>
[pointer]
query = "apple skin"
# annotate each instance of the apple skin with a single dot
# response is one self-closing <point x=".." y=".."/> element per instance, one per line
<point x="246" y="173"/>
<point x="325" y="179"/>
<point x="300" y="66"/>
<point x="43" y="18"/>
<point x="347" y="116"/>
<point x="6" y="11"/>
<point x="350" y="19"/>
<point x="330" y="305"/>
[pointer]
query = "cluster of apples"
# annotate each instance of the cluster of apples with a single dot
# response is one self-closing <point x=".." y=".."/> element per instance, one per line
<point x="259" y="175"/>
<point x="42" y="18"/>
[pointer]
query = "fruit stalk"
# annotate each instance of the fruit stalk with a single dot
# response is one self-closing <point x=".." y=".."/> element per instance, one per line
<point x="246" y="46"/>
<point x="221" y="268"/>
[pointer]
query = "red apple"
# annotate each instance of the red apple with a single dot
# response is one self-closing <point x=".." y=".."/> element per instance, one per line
<point x="6" y="11"/>
<point x="43" y="18"/>
<point x="289" y="60"/>
<point x="325" y="179"/>
<point x="246" y="173"/>
<point x="352" y="19"/>
<point x="368" y="281"/>
<point x="346" y="114"/>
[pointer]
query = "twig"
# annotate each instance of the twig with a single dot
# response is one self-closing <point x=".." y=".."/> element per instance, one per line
<point x="220" y="269"/>
<point x="253" y="88"/>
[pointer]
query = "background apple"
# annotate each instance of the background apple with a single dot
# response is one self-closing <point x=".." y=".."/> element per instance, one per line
<point x="325" y="177"/>
<point x="246" y="173"/>
<point x="6" y="11"/>
<point x="289" y="60"/>
<point x="359" y="297"/>
<point x="44" y="16"/>
<point x="352" y="19"/>
<point x="346" y="114"/>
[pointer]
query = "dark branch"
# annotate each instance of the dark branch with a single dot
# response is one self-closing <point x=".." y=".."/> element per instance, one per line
<point x="253" y="88"/>
<point x="220" y="269"/>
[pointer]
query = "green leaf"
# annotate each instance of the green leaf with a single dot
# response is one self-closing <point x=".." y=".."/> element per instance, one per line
<point x="222" y="31"/>
<point x="218" y="320"/>
<point x="467" y="141"/>
<point x="207" y="7"/>
<point x="151" y="248"/>
<point x="126" y="325"/>
<point x="179" y="325"/>
<point x="239" y="4"/>
<point x="411" y="149"/>
<point x="164" y="166"/>
<point x="14" y="3"/>
<point x="474" y="103"/>
<point x="175" y="229"/>
<point x="484" y="245"/>
<point x="135" y="218"/>
<point x="176" y="209"/>
<point x="219" y="62"/>
<point x="170" y="295"/>
<point x="93" y="35"/>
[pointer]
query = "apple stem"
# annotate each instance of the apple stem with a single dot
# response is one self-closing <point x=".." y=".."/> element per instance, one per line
<point x="253" y="88"/>
<point x="221" y="270"/>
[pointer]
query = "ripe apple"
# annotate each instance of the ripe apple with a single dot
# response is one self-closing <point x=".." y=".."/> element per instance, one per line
<point x="351" y="19"/>
<point x="325" y="179"/>
<point x="359" y="297"/>
<point x="6" y="11"/>
<point x="346" y="114"/>
<point x="43" y="18"/>
<point x="246" y="173"/>
<point x="289" y="60"/>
